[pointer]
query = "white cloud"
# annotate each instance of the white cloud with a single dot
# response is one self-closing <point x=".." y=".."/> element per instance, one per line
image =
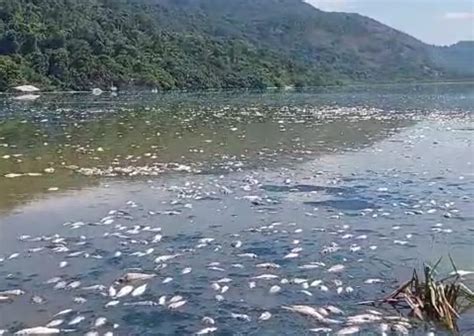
<point x="329" y="5"/>
<point x="459" y="16"/>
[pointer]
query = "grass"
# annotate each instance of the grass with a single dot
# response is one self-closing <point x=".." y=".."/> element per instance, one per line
<point x="434" y="300"/>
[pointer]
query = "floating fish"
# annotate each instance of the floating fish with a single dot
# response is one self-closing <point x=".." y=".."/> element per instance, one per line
<point x="265" y="277"/>
<point x="12" y="292"/>
<point x="76" y="320"/>
<point x="310" y="311"/>
<point x="38" y="331"/>
<point x="208" y="320"/>
<point x="206" y="331"/>
<point x="265" y="316"/>
<point x="99" y="322"/>
<point x="124" y="291"/>
<point x="139" y="290"/>
<point x="177" y="305"/>
<point x="186" y="270"/>
<point x="241" y="317"/>
<point x="55" y="323"/>
<point x="165" y="258"/>
<point x="348" y="331"/>
<point x="274" y="289"/>
<point x="112" y="303"/>
<point x="336" y="268"/>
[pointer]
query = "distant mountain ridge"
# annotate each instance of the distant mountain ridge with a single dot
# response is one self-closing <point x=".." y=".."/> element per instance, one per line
<point x="457" y="59"/>
<point x="196" y="44"/>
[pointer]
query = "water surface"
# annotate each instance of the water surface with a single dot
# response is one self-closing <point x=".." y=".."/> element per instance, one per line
<point x="378" y="180"/>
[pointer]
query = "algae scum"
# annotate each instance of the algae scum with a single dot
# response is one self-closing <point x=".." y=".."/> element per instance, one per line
<point x="230" y="213"/>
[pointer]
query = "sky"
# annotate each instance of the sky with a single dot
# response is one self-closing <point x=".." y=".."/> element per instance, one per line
<point x="439" y="22"/>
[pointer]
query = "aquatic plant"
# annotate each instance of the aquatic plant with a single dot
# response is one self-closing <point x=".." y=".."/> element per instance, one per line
<point x="436" y="300"/>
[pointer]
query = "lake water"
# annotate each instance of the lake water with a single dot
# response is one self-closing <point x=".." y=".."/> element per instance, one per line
<point x="378" y="180"/>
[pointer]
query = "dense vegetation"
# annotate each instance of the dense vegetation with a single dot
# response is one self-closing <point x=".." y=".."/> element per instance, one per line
<point x="169" y="44"/>
<point x="457" y="59"/>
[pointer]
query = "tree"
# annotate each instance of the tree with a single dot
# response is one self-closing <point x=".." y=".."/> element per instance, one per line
<point x="9" y="43"/>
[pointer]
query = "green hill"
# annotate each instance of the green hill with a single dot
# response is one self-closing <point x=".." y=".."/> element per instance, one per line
<point x="200" y="44"/>
<point x="457" y="59"/>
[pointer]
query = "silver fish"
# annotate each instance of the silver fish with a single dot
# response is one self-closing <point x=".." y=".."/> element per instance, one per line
<point x="241" y="317"/>
<point x="38" y="331"/>
<point x="206" y="331"/>
<point x="177" y="305"/>
<point x="265" y="316"/>
<point x="76" y="320"/>
<point x="139" y="290"/>
<point x="348" y="331"/>
<point x="124" y="291"/>
<point x="99" y="322"/>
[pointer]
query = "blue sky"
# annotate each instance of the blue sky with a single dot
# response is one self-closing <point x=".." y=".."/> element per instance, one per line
<point x="440" y="22"/>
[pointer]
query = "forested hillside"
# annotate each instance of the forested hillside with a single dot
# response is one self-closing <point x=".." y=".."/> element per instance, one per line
<point x="197" y="44"/>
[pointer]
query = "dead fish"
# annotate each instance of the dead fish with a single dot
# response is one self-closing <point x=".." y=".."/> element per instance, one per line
<point x="348" y="331"/>
<point x="224" y="280"/>
<point x="4" y="299"/>
<point x="64" y="312"/>
<point x="38" y="331"/>
<point x="336" y="268"/>
<point x="94" y="288"/>
<point x="398" y="328"/>
<point x="186" y="270"/>
<point x="265" y="277"/>
<point x="79" y="300"/>
<point x="162" y="300"/>
<point x="141" y="304"/>
<point x="363" y="318"/>
<point x="60" y="285"/>
<point x="241" y="317"/>
<point x="165" y="258"/>
<point x="12" y="292"/>
<point x="237" y="244"/>
<point x="316" y="283"/>
<point x="74" y="285"/>
<point x="53" y="280"/>
<point x="130" y="277"/>
<point x="334" y="310"/>
<point x="321" y="330"/>
<point x="76" y="320"/>
<point x="310" y="311"/>
<point x="252" y="284"/>
<point x="99" y="322"/>
<point x="124" y="291"/>
<point x="267" y="265"/>
<point x="55" y="323"/>
<point x="248" y="255"/>
<point x="13" y="256"/>
<point x="112" y="303"/>
<point x="63" y="264"/>
<point x="274" y="289"/>
<point x="139" y="290"/>
<point x="265" y="316"/>
<point x="38" y="299"/>
<point x="208" y="320"/>
<point x="176" y="299"/>
<point x="177" y="305"/>
<point x="291" y="255"/>
<point x="112" y="291"/>
<point x="167" y="280"/>
<point x="373" y="281"/>
<point x="92" y="333"/>
<point x="206" y="331"/>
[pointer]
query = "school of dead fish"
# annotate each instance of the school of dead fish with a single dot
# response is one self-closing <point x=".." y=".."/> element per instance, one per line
<point x="137" y="287"/>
